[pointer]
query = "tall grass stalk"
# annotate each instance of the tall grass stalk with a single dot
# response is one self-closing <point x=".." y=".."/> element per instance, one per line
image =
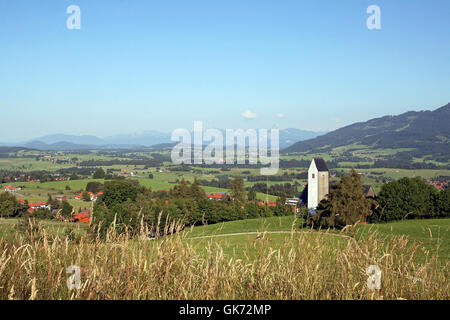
<point x="308" y="265"/>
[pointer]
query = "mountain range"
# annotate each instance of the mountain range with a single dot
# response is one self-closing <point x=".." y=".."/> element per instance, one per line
<point x="134" y="140"/>
<point x="425" y="132"/>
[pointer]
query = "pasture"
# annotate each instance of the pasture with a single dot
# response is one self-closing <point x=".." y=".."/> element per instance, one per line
<point x="297" y="265"/>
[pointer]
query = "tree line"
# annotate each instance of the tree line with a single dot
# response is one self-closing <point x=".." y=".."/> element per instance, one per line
<point x="127" y="203"/>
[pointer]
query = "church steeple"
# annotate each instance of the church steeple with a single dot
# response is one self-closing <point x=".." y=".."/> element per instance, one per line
<point x="318" y="182"/>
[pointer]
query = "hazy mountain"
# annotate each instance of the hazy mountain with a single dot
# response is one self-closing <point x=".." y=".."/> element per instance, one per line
<point x="135" y="140"/>
<point x="81" y="140"/>
<point x="61" y="145"/>
<point x="292" y="135"/>
<point x="145" y="138"/>
<point x="150" y="138"/>
<point x="428" y="132"/>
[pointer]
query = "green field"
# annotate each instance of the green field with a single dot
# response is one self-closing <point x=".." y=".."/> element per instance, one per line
<point x="53" y="227"/>
<point x="432" y="234"/>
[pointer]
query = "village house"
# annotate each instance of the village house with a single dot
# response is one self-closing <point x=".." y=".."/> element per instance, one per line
<point x="35" y="206"/>
<point x="216" y="196"/>
<point x="61" y="198"/>
<point x="437" y="184"/>
<point x="269" y="204"/>
<point x="84" y="216"/>
<point x="294" y="202"/>
<point x="10" y="188"/>
<point x="92" y="196"/>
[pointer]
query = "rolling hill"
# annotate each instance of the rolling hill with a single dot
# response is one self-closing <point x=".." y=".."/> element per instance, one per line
<point x="424" y="132"/>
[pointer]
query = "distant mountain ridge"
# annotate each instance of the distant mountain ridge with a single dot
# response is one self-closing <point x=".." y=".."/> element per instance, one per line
<point x="428" y="132"/>
<point x="134" y="140"/>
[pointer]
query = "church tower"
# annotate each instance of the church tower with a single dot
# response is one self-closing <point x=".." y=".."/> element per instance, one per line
<point x="318" y="182"/>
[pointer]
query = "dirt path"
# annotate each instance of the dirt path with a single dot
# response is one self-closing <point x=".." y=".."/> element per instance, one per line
<point x="264" y="232"/>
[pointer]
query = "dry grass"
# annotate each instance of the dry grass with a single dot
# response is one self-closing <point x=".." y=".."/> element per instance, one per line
<point x="305" y="266"/>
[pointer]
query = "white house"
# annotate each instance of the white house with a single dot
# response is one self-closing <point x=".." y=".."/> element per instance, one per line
<point x="292" y="201"/>
<point x="318" y="182"/>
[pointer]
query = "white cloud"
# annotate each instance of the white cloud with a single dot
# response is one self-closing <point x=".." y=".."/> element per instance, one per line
<point x="280" y="115"/>
<point x="249" y="115"/>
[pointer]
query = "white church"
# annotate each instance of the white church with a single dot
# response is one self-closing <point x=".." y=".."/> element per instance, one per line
<point x="318" y="182"/>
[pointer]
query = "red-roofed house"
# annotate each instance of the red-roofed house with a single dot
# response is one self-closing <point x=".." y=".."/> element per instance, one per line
<point x="84" y="216"/>
<point x="270" y="204"/>
<point x="36" y="206"/>
<point x="216" y="196"/>
<point x="92" y="196"/>
<point x="10" y="188"/>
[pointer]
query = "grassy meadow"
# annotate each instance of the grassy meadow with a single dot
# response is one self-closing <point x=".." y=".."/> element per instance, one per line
<point x="291" y="265"/>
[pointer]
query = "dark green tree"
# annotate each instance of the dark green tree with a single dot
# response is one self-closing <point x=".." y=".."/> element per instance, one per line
<point x="99" y="174"/>
<point x="251" y="195"/>
<point x="10" y="207"/>
<point x="118" y="191"/>
<point x="406" y="198"/>
<point x="238" y="190"/>
<point x="346" y="203"/>
<point x="66" y="209"/>
<point x="443" y="203"/>
<point x="196" y="191"/>
<point x="94" y="186"/>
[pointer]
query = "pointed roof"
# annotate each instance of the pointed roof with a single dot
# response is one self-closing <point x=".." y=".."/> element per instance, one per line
<point x="320" y="164"/>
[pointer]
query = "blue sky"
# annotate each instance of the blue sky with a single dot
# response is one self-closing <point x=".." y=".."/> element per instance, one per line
<point x="160" y="65"/>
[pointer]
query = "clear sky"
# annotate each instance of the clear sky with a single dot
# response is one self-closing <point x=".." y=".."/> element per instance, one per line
<point x="159" y="65"/>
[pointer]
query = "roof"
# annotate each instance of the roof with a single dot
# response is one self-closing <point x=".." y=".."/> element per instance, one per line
<point x="83" y="216"/>
<point x="270" y="204"/>
<point x="368" y="191"/>
<point x="320" y="164"/>
<point x="215" y="195"/>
